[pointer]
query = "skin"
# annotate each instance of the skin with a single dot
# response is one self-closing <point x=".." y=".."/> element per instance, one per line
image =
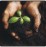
<point x="34" y="11"/>
<point x="12" y="7"/>
<point x="9" y="12"/>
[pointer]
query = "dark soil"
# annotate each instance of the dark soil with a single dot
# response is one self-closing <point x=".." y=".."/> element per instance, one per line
<point x="37" y="39"/>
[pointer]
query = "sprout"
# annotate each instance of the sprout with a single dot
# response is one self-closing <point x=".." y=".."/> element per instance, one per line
<point x="22" y="19"/>
<point x="13" y="20"/>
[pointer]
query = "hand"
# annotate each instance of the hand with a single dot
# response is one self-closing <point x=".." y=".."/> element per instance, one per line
<point x="33" y="10"/>
<point x="10" y="10"/>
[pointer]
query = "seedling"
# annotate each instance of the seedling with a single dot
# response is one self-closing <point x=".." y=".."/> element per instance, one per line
<point x="23" y="19"/>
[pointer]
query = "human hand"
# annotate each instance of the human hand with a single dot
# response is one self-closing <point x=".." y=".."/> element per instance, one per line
<point x="10" y="10"/>
<point x="34" y="11"/>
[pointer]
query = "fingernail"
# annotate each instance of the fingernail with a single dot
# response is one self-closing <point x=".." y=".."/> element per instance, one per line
<point x="13" y="34"/>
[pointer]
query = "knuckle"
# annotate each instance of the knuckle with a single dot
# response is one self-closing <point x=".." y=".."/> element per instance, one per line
<point x="6" y="12"/>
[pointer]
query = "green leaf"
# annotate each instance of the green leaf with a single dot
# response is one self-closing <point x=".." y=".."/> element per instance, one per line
<point x="19" y="13"/>
<point x="13" y="19"/>
<point x="21" y="21"/>
<point x="26" y="18"/>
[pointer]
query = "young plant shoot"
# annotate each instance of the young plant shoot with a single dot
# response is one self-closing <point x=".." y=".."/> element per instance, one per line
<point x="15" y="19"/>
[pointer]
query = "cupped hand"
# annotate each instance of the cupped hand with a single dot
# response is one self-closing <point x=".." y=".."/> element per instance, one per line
<point x="10" y="10"/>
<point x="34" y="11"/>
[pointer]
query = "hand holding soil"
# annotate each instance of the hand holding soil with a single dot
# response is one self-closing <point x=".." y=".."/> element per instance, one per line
<point x="13" y="7"/>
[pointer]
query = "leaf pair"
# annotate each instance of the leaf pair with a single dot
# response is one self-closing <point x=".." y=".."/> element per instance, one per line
<point x="15" y="19"/>
<point x="22" y="19"/>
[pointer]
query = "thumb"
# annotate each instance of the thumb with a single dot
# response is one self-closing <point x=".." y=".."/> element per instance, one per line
<point x="5" y="19"/>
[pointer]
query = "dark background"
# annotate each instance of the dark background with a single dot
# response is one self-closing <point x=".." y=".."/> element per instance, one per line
<point x="36" y="39"/>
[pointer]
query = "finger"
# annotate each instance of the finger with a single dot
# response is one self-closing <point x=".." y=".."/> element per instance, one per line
<point x="37" y="21"/>
<point x="10" y="10"/>
<point x="13" y="7"/>
<point x="14" y="34"/>
<point x="33" y="10"/>
<point x="5" y="19"/>
<point x="34" y="3"/>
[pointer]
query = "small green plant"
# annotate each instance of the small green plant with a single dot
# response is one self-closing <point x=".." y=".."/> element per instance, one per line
<point x="23" y="19"/>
